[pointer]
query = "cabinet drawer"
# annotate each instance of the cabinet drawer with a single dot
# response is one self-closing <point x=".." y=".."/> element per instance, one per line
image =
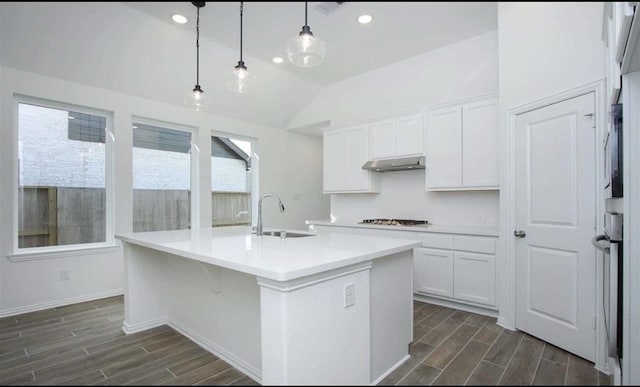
<point x="437" y="241"/>
<point x="476" y="244"/>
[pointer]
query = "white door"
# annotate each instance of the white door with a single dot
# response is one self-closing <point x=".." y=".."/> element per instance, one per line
<point x="555" y="208"/>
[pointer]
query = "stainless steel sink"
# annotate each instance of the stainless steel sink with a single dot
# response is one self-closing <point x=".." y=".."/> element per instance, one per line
<point x="287" y="234"/>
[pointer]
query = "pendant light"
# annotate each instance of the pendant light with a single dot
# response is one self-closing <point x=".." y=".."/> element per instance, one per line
<point x="196" y="98"/>
<point x="305" y="50"/>
<point x="240" y="80"/>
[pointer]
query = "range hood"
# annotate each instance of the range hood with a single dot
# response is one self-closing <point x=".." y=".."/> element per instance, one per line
<point x="399" y="164"/>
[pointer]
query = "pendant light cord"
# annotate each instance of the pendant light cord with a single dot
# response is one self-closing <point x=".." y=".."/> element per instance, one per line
<point x="198" y="47"/>
<point x="305" y="14"/>
<point x="241" y="11"/>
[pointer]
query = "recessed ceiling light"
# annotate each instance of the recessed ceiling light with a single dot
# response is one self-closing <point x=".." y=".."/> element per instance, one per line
<point x="365" y="19"/>
<point x="179" y="18"/>
<point x="277" y="59"/>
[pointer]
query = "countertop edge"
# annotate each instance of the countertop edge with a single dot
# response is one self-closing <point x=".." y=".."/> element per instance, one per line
<point x="453" y="229"/>
<point x="272" y="275"/>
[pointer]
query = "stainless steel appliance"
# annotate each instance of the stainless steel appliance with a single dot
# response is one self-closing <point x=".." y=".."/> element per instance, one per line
<point x="613" y="155"/>
<point x="395" y="222"/>
<point x="397" y="164"/>
<point x="610" y="243"/>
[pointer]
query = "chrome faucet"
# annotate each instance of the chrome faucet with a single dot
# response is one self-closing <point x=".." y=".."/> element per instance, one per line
<point x="259" y="225"/>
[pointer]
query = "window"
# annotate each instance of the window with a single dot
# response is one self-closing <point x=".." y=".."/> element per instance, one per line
<point x="161" y="177"/>
<point x="62" y="175"/>
<point x="231" y="181"/>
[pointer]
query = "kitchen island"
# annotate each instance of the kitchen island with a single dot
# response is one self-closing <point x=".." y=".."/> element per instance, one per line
<point x="322" y="309"/>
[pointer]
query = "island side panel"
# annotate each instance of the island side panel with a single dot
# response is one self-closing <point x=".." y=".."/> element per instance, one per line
<point x="309" y="337"/>
<point x="145" y="297"/>
<point x="219" y="309"/>
<point x="391" y="312"/>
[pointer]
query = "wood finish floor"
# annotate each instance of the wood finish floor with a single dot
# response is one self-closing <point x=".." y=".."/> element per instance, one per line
<point x="83" y="344"/>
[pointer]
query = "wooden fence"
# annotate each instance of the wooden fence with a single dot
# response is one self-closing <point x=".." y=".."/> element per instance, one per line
<point x="230" y="208"/>
<point x="53" y="216"/>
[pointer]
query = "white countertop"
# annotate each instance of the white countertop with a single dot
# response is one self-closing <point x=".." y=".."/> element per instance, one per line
<point x="270" y="257"/>
<point x="447" y="229"/>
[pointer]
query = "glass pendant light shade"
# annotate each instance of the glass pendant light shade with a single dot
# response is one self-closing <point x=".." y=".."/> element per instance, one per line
<point x="240" y="80"/>
<point x="196" y="99"/>
<point x="305" y="50"/>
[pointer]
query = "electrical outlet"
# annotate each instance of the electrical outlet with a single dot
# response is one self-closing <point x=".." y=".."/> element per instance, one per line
<point x="349" y="295"/>
<point x="65" y="275"/>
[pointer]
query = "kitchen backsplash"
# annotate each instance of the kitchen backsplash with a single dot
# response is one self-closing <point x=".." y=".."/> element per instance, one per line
<point x="403" y="196"/>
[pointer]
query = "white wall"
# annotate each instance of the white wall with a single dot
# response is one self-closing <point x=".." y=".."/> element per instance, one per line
<point x="465" y="69"/>
<point x="402" y="196"/>
<point x="290" y="165"/>
<point x="118" y="47"/>
<point x="544" y="49"/>
<point x="458" y="71"/>
<point x="547" y="47"/>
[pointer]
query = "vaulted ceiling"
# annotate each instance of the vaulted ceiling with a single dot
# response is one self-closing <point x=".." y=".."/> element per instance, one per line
<point x="135" y="48"/>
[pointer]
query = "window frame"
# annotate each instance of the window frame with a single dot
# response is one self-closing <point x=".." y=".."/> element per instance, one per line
<point x="42" y="252"/>
<point x="255" y="170"/>
<point x="194" y="178"/>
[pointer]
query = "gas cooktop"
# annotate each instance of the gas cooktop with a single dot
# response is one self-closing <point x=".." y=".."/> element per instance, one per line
<point x="395" y="222"/>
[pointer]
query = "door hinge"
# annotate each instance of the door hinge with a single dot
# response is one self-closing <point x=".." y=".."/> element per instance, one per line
<point x="595" y="322"/>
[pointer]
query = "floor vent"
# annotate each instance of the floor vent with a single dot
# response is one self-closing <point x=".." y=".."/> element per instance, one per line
<point x="329" y="7"/>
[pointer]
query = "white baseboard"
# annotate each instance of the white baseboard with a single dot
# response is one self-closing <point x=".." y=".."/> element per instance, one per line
<point x="57" y="303"/>
<point x="390" y="370"/>
<point x="456" y="305"/>
<point x="240" y="364"/>
<point x="135" y="328"/>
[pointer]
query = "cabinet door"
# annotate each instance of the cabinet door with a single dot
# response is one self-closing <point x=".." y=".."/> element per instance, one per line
<point x="480" y="151"/>
<point x="333" y="161"/>
<point x="433" y="272"/>
<point x="383" y="139"/>
<point x="410" y="135"/>
<point x="444" y="150"/>
<point x="475" y="277"/>
<point x="356" y="153"/>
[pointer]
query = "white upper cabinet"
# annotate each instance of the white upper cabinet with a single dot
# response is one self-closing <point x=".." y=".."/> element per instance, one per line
<point x="410" y="135"/>
<point x="444" y="150"/>
<point x="383" y="139"/>
<point x="462" y="147"/>
<point x="333" y="160"/>
<point x="480" y="151"/>
<point x="401" y="136"/>
<point x="344" y="152"/>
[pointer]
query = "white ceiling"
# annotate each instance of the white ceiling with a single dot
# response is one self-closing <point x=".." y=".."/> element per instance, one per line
<point x="135" y="48"/>
<point x="399" y="30"/>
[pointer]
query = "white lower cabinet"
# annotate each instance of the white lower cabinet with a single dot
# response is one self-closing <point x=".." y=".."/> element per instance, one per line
<point x="457" y="267"/>
<point x="460" y="275"/>
<point x="474" y="277"/>
<point x="433" y="271"/>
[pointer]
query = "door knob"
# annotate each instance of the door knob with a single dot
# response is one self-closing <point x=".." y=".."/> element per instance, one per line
<point x="519" y="233"/>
